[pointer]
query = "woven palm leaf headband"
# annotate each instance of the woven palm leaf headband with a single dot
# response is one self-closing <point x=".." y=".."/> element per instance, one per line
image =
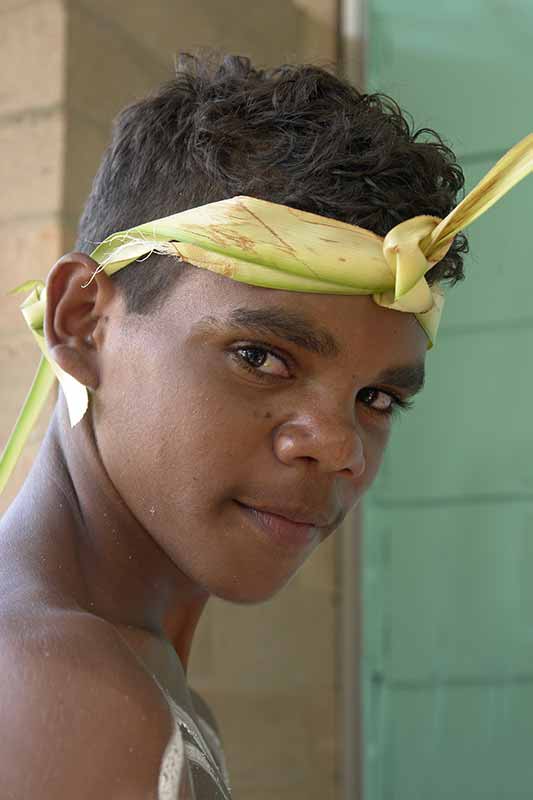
<point x="277" y="247"/>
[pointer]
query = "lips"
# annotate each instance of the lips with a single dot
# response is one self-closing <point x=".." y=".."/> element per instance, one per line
<point x="317" y="519"/>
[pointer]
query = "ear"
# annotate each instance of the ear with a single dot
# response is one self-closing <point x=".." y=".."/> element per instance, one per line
<point x="76" y="306"/>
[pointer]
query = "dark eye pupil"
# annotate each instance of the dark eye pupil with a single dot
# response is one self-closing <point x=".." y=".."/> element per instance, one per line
<point x="254" y="356"/>
<point x="368" y="395"/>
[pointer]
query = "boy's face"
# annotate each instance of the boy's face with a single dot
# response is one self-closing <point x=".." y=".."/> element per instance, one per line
<point x="224" y="400"/>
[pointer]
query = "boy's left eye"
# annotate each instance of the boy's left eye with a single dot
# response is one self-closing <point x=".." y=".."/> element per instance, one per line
<point x="375" y="398"/>
<point x="261" y="361"/>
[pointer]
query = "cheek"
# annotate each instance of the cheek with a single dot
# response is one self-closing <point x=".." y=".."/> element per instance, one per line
<point x="194" y="444"/>
<point x="375" y="445"/>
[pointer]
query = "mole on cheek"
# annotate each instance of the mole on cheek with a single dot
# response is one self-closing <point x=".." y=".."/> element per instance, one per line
<point x="268" y="415"/>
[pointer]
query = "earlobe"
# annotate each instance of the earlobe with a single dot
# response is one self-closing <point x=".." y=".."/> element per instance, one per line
<point x="76" y="299"/>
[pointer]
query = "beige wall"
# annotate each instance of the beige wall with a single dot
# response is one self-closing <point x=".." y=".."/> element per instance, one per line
<point x="67" y="68"/>
<point x="32" y="163"/>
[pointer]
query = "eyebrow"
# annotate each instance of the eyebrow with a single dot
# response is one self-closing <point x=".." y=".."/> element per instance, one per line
<point x="288" y="325"/>
<point x="410" y="377"/>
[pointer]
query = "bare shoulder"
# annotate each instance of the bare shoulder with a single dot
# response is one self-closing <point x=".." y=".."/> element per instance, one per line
<point x="84" y="719"/>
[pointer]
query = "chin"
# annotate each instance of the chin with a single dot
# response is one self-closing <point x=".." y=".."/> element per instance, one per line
<point x="246" y="591"/>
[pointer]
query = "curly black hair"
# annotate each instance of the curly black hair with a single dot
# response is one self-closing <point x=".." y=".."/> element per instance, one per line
<point x="296" y="135"/>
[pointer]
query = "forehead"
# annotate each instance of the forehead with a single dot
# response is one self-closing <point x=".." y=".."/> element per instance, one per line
<point x="342" y="327"/>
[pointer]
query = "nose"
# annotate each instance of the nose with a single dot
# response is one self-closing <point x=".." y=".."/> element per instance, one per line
<point x="335" y="445"/>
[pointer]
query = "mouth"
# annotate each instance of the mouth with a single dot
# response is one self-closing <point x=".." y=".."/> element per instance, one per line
<point x="288" y="532"/>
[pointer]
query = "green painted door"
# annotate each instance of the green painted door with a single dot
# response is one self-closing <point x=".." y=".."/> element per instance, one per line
<point x="448" y="535"/>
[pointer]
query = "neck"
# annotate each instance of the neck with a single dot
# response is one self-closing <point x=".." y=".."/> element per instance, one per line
<point x="102" y="556"/>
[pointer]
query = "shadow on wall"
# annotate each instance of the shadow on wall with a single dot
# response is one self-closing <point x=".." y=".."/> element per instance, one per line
<point x="129" y="49"/>
<point x="271" y="33"/>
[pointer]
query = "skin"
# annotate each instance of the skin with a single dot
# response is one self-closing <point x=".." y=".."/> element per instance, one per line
<point x="129" y="521"/>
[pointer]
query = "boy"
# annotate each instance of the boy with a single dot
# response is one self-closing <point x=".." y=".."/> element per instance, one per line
<point x="230" y="427"/>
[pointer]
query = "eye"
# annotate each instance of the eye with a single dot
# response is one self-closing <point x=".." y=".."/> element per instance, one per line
<point x="261" y="361"/>
<point x="382" y="402"/>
